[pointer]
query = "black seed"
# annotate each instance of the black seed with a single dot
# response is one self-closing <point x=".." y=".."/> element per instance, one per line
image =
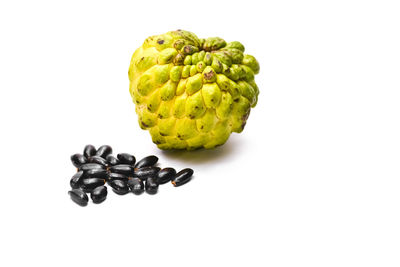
<point x="147" y="161"/>
<point x="79" y="197"/>
<point x="76" y="180"/>
<point x="126" y="158"/>
<point x="104" y="151"/>
<point x="165" y="175"/>
<point x="136" y="185"/>
<point x="123" y="169"/>
<point x="78" y="160"/>
<point x="145" y="172"/>
<point x="112" y="160"/>
<point x="120" y="187"/>
<point x="99" y="194"/>
<point x="151" y="186"/>
<point x="91" y="183"/>
<point x="89" y="151"/>
<point x="98" y="173"/>
<point x="98" y="160"/>
<point x="88" y="166"/>
<point x="182" y="177"/>
<point x="117" y="176"/>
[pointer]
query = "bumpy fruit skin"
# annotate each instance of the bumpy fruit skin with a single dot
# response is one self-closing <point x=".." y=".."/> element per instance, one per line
<point x="192" y="93"/>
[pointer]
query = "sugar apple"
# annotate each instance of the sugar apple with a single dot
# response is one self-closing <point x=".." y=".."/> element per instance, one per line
<point x="192" y="93"/>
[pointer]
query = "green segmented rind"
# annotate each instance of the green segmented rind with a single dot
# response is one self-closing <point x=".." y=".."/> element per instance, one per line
<point x="186" y="128"/>
<point x="167" y="91"/>
<point x="211" y="95"/>
<point x="175" y="74"/>
<point x="167" y="126"/>
<point x="207" y="122"/>
<point x="194" y="84"/>
<point x="167" y="55"/>
<point x="251" y="62"/>
<point x="236" y="45"/>
<point x="154" y="101"/>
<point x="190" y="92"/>
<point x="186" y="71"/>
<point x="193" y="70"/>
<point x="164" y="110"/>
<point x="194" y="107"/>
<point x="225" y="106"/>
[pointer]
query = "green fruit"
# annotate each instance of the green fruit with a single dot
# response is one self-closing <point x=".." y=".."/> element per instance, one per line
<point x="192" y="93"/>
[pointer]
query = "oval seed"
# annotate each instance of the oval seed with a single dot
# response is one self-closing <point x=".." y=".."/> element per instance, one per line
<point x="182" y="177"/>
<point x="76" y="180"/>
<point x="146" y="172"/>
<point x="165" y="175"/>
<point x="126" y="158"/>
<point x="136" y="185"/>
<point x="89" y="151"/>
<point x="120" y="187"/>
<point x="104" y="151"/>
<point x="96" y="173"/>
<point x="99" y="194"/>
<point x="112" y="160"/>
<point x="78" y="160"/>
<point x="78" y="196"/>
<point x="123" y="169"/>
<point x="91" y="183"/>
<point x="117" y="176"/>
<point x="147" y="161"/>
<point x="151" y="186"/>
<point x="88" y="166"/>
<point x="98" y="160"/>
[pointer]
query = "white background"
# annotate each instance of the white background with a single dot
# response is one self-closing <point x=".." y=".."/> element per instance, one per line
<point x="312" y="181"/>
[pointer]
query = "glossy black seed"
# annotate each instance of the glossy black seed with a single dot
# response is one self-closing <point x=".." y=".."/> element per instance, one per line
<point x="120" y="187"/>
<point x="99" y="194"/>
<point x="98" y="160"/>
<point x="104" y="151"/>
<point x="123" y="169"/>
<point x="145" y="172"/>
<point x="78" y="196"/>
<point x="136" y="185"/>
<point x="89" y="151"/>
<point x="151" y="186"/>
<point x="88" y="166"/>
<point x="117" y="176"/>
<point x="112" y="160"/>
<point x="76" y="180"/>
<point x="165" y="175"/>
<point x="182" y="177"/>
<point x="78" y="160"/>
<point x="126" y="158"/>
<point x="147" y="161"/>
<point x="89" y="184"/>
<point x="98" y="173"/>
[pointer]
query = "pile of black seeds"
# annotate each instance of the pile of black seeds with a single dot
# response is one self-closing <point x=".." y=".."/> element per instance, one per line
<point x="98" y="167"/>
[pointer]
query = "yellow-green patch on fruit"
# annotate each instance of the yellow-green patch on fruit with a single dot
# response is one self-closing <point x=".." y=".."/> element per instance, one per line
<point x="154" y="101"/>
<point x="186" y="128"/>
<point x="194" y="84"/>
<point x="195" y="108"/>
<point x="165" y="109"/>
<point x="167" y="126"/>
<point x="167" y="91"/>
<point x="211" y="95"/>
<point x="207" y="122"/>
<point x="181" y="87"/>
<point x="175" y="73"/>
<point x="179" y="106"/>
<point x="167" y="55"/>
